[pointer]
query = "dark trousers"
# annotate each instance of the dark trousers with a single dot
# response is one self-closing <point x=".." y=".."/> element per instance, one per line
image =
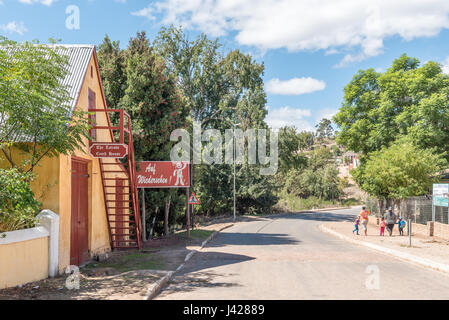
<point x="390" y="227"/>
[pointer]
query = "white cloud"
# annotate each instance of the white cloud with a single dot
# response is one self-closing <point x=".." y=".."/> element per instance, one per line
<point x="445" y="65"/>
<point x="327" y="113"/>
<point x="297" y="25"/>
<point x="145" y="12"/>
<point x="44" y="2"/>
<point x="288" y="116"/>
<point x="295" y="86"/>
<point x="14" y="27"/>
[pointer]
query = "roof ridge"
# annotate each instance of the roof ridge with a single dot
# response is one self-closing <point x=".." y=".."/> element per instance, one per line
<point x="71" y="45"/>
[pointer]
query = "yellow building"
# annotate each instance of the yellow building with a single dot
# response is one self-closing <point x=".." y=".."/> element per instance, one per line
<point x="98" y="210"/>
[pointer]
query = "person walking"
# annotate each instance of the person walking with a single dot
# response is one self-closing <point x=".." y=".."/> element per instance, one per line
<point x="401" y="226"/>
<point x="364" y="215"/>
<point x="390" y="219"/>
<point x="383" y="224"/>
<point x="356" y="225"/>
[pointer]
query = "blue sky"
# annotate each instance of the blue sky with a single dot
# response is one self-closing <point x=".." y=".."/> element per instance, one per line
<point x="311" y="49"/>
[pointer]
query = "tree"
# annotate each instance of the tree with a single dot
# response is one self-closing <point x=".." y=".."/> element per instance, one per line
<point x="216" y="86"/>
<point x="136" y="82"/>
<point x="220" y="90"/>
<point x="289" y="150"/>
<point x="112" y="61"/>
<point x="35" y="115"/>
<point x="336" y="150"/>
<point x="400" y="171"/>
<point x="406" y="100"/>
<point x="306" y="140"/>
<point x="18" y="206"/>
<point x="151" y="98"/>
<point x="324" y="129"/>
<point x="318" y="178"/>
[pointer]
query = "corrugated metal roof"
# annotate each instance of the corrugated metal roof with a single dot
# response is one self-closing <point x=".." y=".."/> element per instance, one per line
<point x="79" y="57"/>
<point x="78" y="62"/>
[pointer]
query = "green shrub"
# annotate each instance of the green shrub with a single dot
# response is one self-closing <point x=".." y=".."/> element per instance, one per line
<point x="18" y="207"/>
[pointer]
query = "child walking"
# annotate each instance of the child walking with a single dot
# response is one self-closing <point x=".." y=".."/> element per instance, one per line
<point x="383" y="224"/>
<point x="356" y="225"/>
<point x="401" y="225"/>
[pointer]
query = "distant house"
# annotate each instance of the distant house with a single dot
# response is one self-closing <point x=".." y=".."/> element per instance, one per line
<point x="352" y="159"/>
<point x="92" y="196"/>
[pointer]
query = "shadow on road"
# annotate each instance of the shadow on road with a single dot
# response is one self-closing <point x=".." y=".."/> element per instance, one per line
<point x="321" y="216"/>
<point x="191" y="282"/>
<point x="253" y="239"/>
<point x="197" y="273"/>
<point x="189" y="279"/>
<point x="206" y="260"/>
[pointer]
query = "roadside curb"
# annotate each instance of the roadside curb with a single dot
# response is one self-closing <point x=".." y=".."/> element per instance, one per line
<point x="398" y="254"/>
<point x="154" y="288"/>
<point x="157" y="287"/>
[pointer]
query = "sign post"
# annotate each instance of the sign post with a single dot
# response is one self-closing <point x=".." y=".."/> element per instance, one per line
<point x="165" y="174"/>
<point x="410" y="232"/>
<point x="194" y="199"/>
<point x="108" y="150"/>
<point x="440" y="197"/>
<point x="187" y="213"/>
<point x="144" y="224"/>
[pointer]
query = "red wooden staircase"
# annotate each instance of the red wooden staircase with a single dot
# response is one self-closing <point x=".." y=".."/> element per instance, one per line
<point x="119" y="185"/>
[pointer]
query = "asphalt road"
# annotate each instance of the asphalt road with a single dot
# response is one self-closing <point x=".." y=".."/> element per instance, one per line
<point x="286" y="257"/>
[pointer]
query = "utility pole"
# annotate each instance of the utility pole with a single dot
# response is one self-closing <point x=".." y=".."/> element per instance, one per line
<point x="188" y="213"/>
<point x="234" y="157"/>
<point x="144" y="225"/>
<point x="410" y="232"/>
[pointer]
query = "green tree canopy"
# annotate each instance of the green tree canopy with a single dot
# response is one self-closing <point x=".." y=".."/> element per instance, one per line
<point x="136" y="81"/>
<point x="324" y="129"/>
<point x="406" y="100"/>
<point x="220" y="89"/>
<point x="400" y="171"/>
<point x="34" y="108"/>
<point x="318" y="178"/>
<point x="290" y="153"/>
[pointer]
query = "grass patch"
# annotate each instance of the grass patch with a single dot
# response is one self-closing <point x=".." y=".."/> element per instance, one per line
<point x="132" y="261"/>
<point x="292" y="203"/>
<point x="197" y="234"/>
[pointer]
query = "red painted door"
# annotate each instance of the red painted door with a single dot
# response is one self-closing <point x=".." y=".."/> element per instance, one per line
<point x="80" y="207"/>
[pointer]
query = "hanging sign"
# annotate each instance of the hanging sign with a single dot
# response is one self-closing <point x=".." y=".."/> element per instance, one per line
<point x="163" y="174"/>
<point x="194" y="199"/>
<point x="108" y="150"/>
<point x="441" y="195"/>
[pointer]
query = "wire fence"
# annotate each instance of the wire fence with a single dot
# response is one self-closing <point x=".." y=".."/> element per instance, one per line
<point x="418" y="209"/>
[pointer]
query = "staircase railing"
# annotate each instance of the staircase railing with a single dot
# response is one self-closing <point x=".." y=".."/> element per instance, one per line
<point x="118" y="237"/>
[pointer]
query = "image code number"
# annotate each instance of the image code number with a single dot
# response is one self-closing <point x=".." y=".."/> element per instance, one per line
<point x="246" y="310"/>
